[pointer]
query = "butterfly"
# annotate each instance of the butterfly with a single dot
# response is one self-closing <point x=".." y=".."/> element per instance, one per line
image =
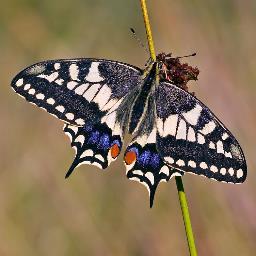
<point x="101" y="100"/>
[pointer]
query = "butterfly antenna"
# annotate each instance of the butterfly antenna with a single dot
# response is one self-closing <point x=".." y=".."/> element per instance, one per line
<point x="185" y="56"/>
<point x="139" y="41"/>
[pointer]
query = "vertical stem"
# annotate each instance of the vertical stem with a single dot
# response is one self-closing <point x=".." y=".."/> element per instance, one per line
<point x="179" y="184"/>
<point x="186" y="217"/>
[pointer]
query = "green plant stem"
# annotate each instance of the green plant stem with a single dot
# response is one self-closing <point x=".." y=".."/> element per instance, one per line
<point x="179" y="184"/>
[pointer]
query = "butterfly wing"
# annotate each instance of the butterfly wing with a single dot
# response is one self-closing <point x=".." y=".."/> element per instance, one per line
<point x="92" y="96"/>
<point x="142" y="159"/>
<point x="76" y="91"/>
<point x="192" y="139"/>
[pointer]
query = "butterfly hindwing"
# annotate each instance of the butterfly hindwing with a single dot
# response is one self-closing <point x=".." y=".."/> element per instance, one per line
<point x="78" y="90"/>
<point x="142" y="159"/>
<point x="191" y="138"/>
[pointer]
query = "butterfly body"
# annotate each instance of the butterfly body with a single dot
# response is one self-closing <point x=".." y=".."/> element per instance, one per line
<point x="101" y="100"/>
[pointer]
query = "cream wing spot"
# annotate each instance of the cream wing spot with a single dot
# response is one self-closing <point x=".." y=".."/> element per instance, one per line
<point x="103" y="96"/>
<point x="193" y="115"/>
<point x="32" y="91"/>
<point x="40" y="96"/>
<point x="80" y="139"/>
<point x="100" y="157"/>
<point x="169" y="159"/>
<point x="91" y="92"/>
<point x="213" y="168"/>
<point x="71" y="85"/>
<point x="212" y="145"/>
<point x="70" y="116"/>
<point x="223" y="171"/>
<point x="57" y="66"/>
<point x="93" y="74"/>
<point x="220" y="147"/>
<point x="86" y="153"/>
<point x="138" y="172"/>
<point x="165" y="170"/>
<point x="180" y="162"/>
<point x="203" y="165"/>
<point x="208" y="128"/>
<point x="27" y="86"/>
<point x="81" y="89"/>
<point x="74" y="71"/>
<point x="182" y="130"/>
<point x="239" y="173"/>
<point x="200" y="138"/>
<point x="191" y="134"/>
<point x="170" y="125"/>
<point x="60" y="108"/>
<point x="224" y="136"/>
<point x="192" y="163"/>
<point x="50" y="101"/>
<point x="80" y="121"/>
<point x="19" y="82"/>
<point x="150" y="177"/>
<point x="231" y="171"/>
<point x="50" y="77"/>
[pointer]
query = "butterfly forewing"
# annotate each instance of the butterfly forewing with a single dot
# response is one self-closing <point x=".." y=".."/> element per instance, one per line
<point x="78" y="90"/>
<point x="92" y="96"/>
<point x="191" y="138"/>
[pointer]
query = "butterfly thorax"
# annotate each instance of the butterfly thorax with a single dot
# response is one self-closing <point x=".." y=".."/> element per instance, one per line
<point x="140" y="104"/>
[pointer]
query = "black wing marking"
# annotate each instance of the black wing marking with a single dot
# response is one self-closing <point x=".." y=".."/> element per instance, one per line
<point x="190" y="137"/>
<point x="79" y="90"/>
<point x="142" y="160"/>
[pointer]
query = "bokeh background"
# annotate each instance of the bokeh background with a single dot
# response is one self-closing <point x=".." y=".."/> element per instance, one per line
<point x="103" y="213"/>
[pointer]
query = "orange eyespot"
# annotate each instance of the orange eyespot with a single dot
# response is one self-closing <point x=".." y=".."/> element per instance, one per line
<point x="114" y="151"/>
<point x="130" y="157"/>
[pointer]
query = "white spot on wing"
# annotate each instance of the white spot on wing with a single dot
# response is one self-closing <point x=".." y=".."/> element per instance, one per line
<point x="90" y="93"/>
<point x="203" y="165"/>
<point x="50" y="77"/>
<point x="191" y="134"/>
<point x="79" y="121"/>
<point x="182" y="130"/>
<point x="19" y="82"/>
<point x="200" y="138"/>
<point x="231" y="171"/>
<point x="208" y="128"/>
<point x="239" y="173"/>
<point x="57" y="66"/>
<point x="170" y="125"/>
<point x="60" y="108"/>
<point x="80" y="139"/>
<point x="71" y="85"/>
<point x="165" y="170"/>
<point x="103" y="96"/>
<point x="224" y="136"/>
<point x="87" y="152"/>
<point x="81" y="89"/>
<point x="27" y="86"/>
<point x="100" y="157"/>
<point x="40" y="96"/>
<point x="94" y="75"/>
<point x="192" y="164"/>
<point x="70" y="116"/>
<point x="138" y="172"/>
<point x="150" y="176"/>
<point x="59" y="81"/>
<point x="169" y="159"/>
<point x="212" y="145"/>
<point x="223" y="171"/>
<point x="50" y="101"/>
<point x="32" y="91"/>
<point x="193" y="115"/>
<point x="110" y="104"/>
<point x="74" y="71"/>
<point x="213" y="168"/>
<point x="109" y="120"/>
<point x="180" y="162"/>
<point x="220" y="147"/>
<point x="152" y="136"/>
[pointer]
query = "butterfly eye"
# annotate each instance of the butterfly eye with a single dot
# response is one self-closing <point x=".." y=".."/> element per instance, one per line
<point x="130" y="157"/>
<point x="114" y="151"/>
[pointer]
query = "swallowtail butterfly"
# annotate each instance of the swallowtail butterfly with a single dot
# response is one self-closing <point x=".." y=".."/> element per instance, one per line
<point x="100" y="100"/>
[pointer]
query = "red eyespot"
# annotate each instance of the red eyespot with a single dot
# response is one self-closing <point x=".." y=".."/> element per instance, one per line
<point x="130" y="157"/>
<point x="114" y="151"/>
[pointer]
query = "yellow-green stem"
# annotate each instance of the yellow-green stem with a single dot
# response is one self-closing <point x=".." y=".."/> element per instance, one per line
<point x="179" y="184"/>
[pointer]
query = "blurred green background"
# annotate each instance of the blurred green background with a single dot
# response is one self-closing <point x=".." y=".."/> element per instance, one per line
<point x="103" y="213"/>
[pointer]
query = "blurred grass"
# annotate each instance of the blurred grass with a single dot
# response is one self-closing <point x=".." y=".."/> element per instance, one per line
<point x="102" y="213"/>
